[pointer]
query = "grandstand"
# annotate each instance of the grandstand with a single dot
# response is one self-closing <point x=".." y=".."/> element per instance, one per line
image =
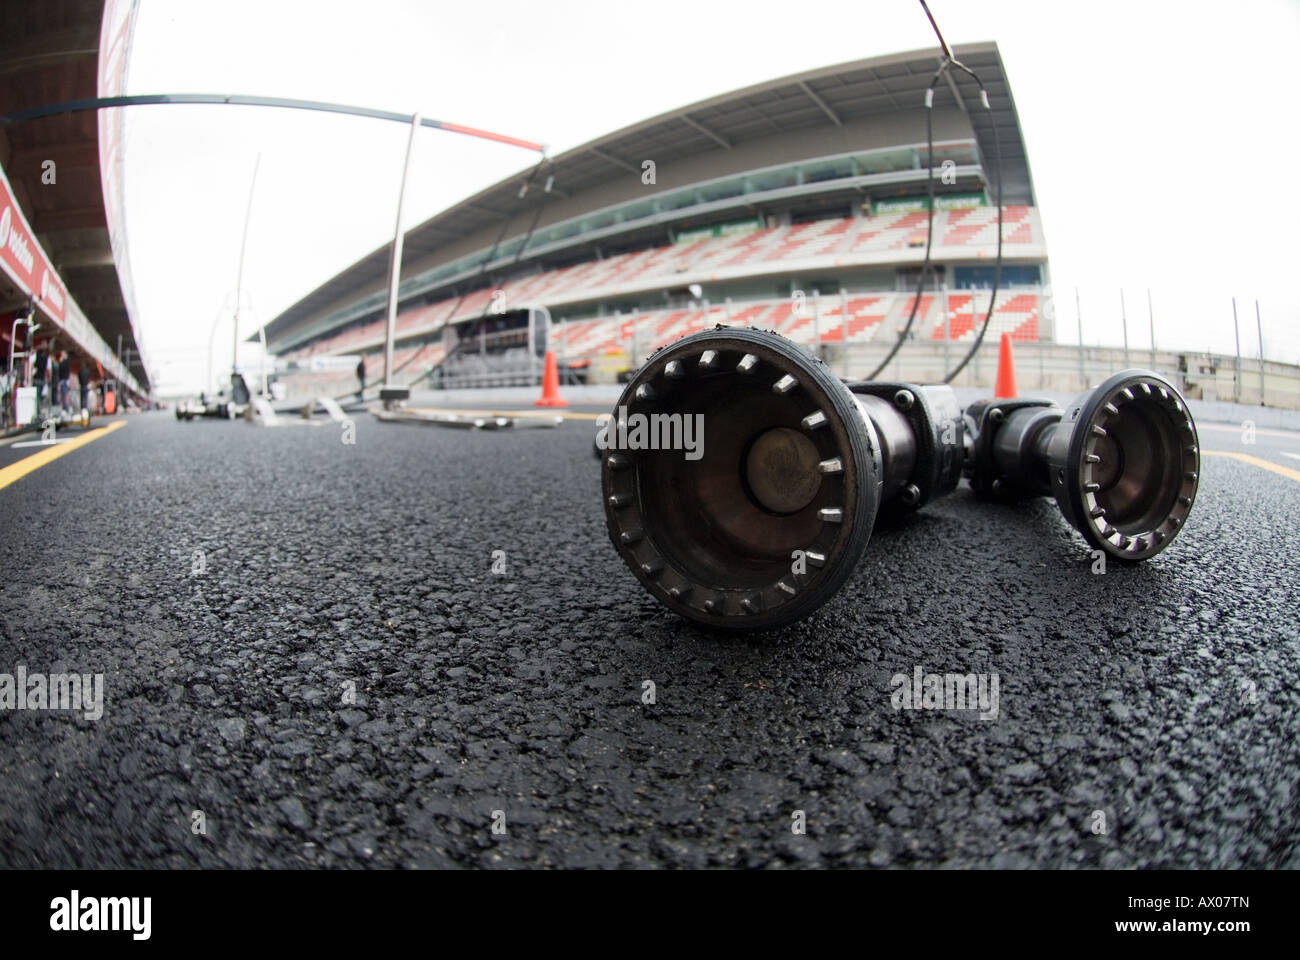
<point x="798" y="205"/>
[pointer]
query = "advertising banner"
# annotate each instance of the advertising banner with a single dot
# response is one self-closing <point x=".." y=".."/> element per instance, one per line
<point x="24" y="260"/>
<point x="718" y="230"/>
<point x="950" y="201"/>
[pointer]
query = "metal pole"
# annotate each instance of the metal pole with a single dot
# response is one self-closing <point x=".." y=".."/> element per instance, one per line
<point x="1236" y="376"/>
<point x="1152" y="317"/>
<point x="212" y="338"/>
<point x="817" y="324"/>
<point x="947" y="329"/>
<point x="226" y="99"/>
<point x="261" y="333"/>
<point x="1038" y="341"/>
<point x="207" y="386"/>
<point x="1123" y="318"/>
<point x="532" y="346"/>
<point x="239" y="278"/>
<point x="1259" y="326"/>
<point x="844" y="315"/>
<point x="1078" y="311"/>
<point x="395" y="261"/>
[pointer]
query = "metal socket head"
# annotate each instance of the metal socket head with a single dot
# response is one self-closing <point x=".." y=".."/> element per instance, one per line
<point x="1125" y="464"/>
<point x="764" y="522"/>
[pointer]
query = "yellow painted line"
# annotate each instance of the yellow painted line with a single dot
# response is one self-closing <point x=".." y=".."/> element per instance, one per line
<point x="16" y="471"/>
<point x="1255" y="462"/>
<point x="551" y="412"/>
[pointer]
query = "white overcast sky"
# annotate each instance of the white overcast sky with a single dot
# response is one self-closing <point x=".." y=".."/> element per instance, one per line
<point x="1159" y="136"/>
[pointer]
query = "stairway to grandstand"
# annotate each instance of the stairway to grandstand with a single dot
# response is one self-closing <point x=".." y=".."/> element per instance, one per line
<point x="512" y="367"/>
<point x="409" y="363"/>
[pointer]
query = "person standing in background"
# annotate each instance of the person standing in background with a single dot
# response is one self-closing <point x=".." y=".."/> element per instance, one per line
<point x="361" y="376"/>
<point x="6" y="401"/>
<point x="38" y="376"/>
<point x="83" y="382"/>
<point x="64" y="371"/>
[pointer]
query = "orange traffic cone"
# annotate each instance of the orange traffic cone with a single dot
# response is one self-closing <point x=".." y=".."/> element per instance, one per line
<point x="551" y="384"/>
<point x="1005" y="385"/>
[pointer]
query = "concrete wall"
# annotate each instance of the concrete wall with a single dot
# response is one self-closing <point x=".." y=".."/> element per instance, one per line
<point x="1054" y="369"/>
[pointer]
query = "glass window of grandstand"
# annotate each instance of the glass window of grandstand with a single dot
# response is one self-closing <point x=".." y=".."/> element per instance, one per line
<point x="565" y="230"/>
<point x="722" y="190"/>
<point x="635" y="211"/>
<point x="598" y="222"/>
<point x="827" y="170"/>
<point x="886" y="161"/>
<point x="510" y="247"/>
<point x="981" y="278"/>
<point x="679" y="200"/>
<point x="771" y="180"/>
<point x="910" y="276"/>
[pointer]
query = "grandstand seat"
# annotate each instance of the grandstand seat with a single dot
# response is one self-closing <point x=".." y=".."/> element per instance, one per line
<point x="838" y="237"/>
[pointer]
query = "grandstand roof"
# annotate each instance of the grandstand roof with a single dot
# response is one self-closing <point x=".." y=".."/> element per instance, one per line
<point x="827" y="96"/>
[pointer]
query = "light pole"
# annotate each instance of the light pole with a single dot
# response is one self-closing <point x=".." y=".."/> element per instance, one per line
<point x="212" y="336"/>
<point x="1152" y="319"/>
<point x="1123" y="318"/>
<point x="1259" y="326"/>
<point x="1078" y="311"/>
<point x="239" y="277"/>
<point x="1236" y="374"/>
<point x="395" y="262"/>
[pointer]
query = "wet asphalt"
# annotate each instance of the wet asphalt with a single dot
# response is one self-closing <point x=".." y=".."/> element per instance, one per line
<point x="309" y="661"/>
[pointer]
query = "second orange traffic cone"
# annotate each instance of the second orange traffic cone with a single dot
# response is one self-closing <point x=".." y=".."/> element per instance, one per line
<point x="1004" y="387"/>
<point x="551" y="384"/>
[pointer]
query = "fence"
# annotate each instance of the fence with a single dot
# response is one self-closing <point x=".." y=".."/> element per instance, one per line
<point x="1065" y="368"/>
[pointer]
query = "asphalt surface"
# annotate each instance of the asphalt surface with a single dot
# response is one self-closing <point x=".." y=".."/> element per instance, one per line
<point x="1163" y="697"/>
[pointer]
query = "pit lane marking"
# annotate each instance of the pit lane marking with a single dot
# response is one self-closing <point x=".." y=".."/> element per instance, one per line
<point x="1256" y="462"/>
<point x="16" y="471"/>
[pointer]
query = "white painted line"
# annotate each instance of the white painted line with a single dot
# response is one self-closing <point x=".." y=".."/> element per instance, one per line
<point x="265" y="412"/>
<point x="41" y="443"/>
<point x="1289" y="434"/>
<point x="333" y="409"/>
